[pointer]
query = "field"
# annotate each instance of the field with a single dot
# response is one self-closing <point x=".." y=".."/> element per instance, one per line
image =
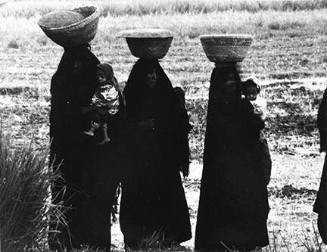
<point x="288" y="57"/>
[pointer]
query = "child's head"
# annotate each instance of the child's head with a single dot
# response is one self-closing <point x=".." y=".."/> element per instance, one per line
<point x="250" y="89"/>
<point x="104" y="74"/>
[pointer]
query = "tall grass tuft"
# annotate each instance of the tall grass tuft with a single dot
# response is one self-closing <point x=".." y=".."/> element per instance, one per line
<point x="25" y="203"/>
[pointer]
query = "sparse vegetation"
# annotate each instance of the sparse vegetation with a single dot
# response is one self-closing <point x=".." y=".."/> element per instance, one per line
<point x="288" y="56"/>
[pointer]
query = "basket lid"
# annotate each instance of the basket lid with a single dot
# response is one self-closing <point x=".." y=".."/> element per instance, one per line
<point x="60" y="18"/>
<point x="145" y="33"/>
<point x="230" y="36"/>
<point x="86" y="13"/>
<point x="226" y="47"/>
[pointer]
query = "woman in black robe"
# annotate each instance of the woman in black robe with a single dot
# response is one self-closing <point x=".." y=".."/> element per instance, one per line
<point x="153" y="209"/>
<point x="82" y="162"/>
<point x="233" y="207"/>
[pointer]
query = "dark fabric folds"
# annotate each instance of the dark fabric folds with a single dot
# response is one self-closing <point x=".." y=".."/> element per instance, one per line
<point x="233" y="207"/>
<point x="153" y="206"/>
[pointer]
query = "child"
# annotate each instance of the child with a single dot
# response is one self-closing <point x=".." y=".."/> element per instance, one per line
<point x="250" y="91"/>
<point x="105" y="101"/>
<point x="256" y="108"/>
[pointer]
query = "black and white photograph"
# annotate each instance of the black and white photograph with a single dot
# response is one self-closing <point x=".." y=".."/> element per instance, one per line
<point x="163" y="125"/>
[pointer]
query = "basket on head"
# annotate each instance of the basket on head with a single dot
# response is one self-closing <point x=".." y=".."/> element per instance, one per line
<point x="226" y="47"/>
<point x="148" y="43"/>
<point x="70" y="28"/>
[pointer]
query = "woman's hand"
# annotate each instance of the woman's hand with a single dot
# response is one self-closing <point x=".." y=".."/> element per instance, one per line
<point x="146" y="124"/>
<point x="258" y="111"/>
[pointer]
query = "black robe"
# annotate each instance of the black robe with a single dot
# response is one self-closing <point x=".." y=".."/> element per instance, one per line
<point x="82" y="162"/>
<point x="320" y="205"/>
<point x="153" y="209"/>
<point x="233" y="205"/>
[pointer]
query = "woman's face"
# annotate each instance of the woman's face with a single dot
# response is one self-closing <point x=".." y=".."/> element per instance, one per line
<point x="231" y="86"/>
<point x="151" y="79"/>
<point x="77" y="67"/>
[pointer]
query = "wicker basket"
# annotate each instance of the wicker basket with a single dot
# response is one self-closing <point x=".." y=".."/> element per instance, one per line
<point x="148" y="43"/>
<point x="74" y="34"/>
<point x="226" y="47"/>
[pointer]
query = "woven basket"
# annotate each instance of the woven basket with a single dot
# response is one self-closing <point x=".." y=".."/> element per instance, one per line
<point x="148" y="43"/>
<point x="75" y="33"/>
<point x="226" y="47"/>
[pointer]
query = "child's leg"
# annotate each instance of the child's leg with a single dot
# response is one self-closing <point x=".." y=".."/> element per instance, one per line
<point x="105" y="134"/>
<point x="94" y="119"/>
<point x="93" y="127"/>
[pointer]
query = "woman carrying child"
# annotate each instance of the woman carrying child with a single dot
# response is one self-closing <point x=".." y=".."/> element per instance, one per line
<point x="233" y="207"/>
<point x="79" y="158"/>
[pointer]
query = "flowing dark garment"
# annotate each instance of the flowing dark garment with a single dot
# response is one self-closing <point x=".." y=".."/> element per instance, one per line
<point x="320" y="205"/>
<point x="82" y="162"/>
<point x="233" y="205"/>
<point x="153" y="206"/>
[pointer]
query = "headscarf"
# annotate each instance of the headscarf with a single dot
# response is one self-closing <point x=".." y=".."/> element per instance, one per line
<point x="220" y="75"/>
<point x="70" y="91"/>
<point x="136" y="90"/>
<point x="77" y="87"/>
<point x="169" y="112"/>
<point x="81" y="53"/>
<point x="223" y="118"/>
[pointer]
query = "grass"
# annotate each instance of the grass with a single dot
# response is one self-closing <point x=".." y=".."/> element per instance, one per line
<point x="166" y="7"/>
<point x="184" y="25"/>
<point x="24" y="197"/>
<point x="286" y="45"/>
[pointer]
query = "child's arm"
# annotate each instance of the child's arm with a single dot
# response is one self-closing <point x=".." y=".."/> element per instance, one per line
<point x="260" y="107"/>
<point x="252" y="117"/>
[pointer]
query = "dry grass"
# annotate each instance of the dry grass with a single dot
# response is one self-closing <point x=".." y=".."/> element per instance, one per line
<point x="287" y="45"/>
<point x="24" y="197"/>
<point x="184" y="25"/>
<point x="32" y="8"/>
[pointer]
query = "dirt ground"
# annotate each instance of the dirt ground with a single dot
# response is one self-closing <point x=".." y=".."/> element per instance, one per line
<point x="293" y="140"/>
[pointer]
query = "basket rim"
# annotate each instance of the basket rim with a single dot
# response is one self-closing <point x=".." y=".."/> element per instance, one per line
<point x="94" y="15"/>
<point x="231" y="35"/>
<point x="145" y="33"/>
